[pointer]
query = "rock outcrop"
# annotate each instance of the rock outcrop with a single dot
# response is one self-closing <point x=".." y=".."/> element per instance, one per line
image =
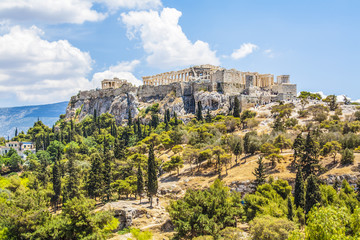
<point x="179" y="97"/>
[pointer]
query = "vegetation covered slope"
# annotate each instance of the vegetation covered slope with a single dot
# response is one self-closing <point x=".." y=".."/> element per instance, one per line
<point x="52" y="194"/>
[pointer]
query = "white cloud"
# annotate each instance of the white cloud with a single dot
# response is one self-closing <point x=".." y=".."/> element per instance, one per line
<point x="244" y="50"/>
<point x="122" y="71"/>
<point x="269" y="53"/>
<point x="131" y="4"/>
<point x="49" y="11"/>
<point x="65" y="11"/>
<point x="165" y="42"/>
<point x="39" y="71"/>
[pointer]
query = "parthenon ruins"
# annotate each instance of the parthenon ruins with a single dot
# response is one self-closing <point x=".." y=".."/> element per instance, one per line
<point x="209" y="72"/>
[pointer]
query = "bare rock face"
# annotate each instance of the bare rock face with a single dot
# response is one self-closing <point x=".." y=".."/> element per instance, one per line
<point x="213" y="101"/>
<point x="124" y="212"/>
<point x="177" y="97"/>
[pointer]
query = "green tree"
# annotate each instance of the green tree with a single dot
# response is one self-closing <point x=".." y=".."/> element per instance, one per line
<point x="208" y="117"/>
<point x="56" y="180"/>
<point x="309" y="159"/>
<point x="290" y="209"/>
<point x="152" y="183"/>
<point x="199" y="115"/>
<point x="327" y="223"/>
<point x="331" y="100"/>
<point x="72" y="183"/>
<point x="299" y="192"/>
<point x="236" y="108"/>
<point x="95" y="177"/>
<point x="259" y="173"/>
<point x="205" y="212"/>
<point x="129" y="117"/>
<point x="313" y="194"/>
<point x="139" y="182"/>
<point x="331" y="148"/>
<point x="107" y="170"/>
<point x="347" y="157"/>
<point x="271" y="228"/>
<point x="281" y="142"/>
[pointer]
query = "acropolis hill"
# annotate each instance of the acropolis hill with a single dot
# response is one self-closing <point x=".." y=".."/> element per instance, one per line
<point x="179" y="91"/>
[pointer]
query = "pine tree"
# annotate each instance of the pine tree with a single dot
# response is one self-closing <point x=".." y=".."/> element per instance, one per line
<point x="236" y="108"/>
<point x="299" y="193"/>
<point x="298" y="146"/>
<point x="139" y="183"/>
<point x="308" y="159"/>
<point x="259" y="173"/>
<point x="313" y="194"/>
<point x="290" y="214"/>
<point x="208" y="117"/>
<point x="95" y="179"/>
<point x="129" y="117"/>
<point x="152" y="183"/>
<point x="199" y="116"/>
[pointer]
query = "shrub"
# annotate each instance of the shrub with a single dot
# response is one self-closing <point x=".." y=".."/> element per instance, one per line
<point x="271" y="228"/>
<point x="347" y="156"/>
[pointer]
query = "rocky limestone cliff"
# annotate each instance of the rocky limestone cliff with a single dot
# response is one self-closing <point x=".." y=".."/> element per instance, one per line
<point x="178" y="97"/>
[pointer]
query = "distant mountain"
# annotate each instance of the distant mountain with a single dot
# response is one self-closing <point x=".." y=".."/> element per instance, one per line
<point x="24" y="117"/>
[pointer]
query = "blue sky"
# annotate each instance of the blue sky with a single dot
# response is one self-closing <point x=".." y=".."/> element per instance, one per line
<point x="51" y="50"/>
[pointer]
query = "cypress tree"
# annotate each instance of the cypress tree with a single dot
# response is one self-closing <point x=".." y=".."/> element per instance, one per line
<point x="168" y="115"/>
<point x="95" y="116"/>
<point x="139" y="133"/>
<point x="166" y="120"/>
<point x="129" y="117"/>
<point x="175" y="119"/>
<point x="135" y="127"/>
<point x="140" y="182"/>
<point x="236" y="108"/>
<point x="299" y="193"/>
<point x="72" y="184"/>
<point x="290" y="214"/>
<point x="313" y="194"/>
<point x="154" y="120"/>
<point x="152" y="183"/>
<point x="119" y="149"/>
<point x="308" y="159"/>
<point x="16" y="132"/>
<point x="259" y="173"/>
<point x="107" y="173"/>
<point x="199" y="116"/>
<point x="56" y="180"/>
<point x="95" y="179"/>
<point x="208" y="117"/>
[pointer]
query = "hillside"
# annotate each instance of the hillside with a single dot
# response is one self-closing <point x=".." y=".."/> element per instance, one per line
<point x="24" y="117"/>
<point x="198" y="169"/>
